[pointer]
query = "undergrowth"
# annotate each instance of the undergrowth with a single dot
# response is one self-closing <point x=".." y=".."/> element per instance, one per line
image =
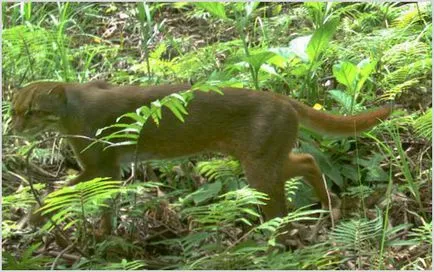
<point x="199" y="213"/>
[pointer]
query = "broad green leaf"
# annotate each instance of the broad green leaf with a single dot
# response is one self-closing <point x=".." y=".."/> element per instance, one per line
<point x="216" y="9"/>
<point x="320" y="39"/>
<point x="70" y="224"/>
<point x="282" y="56"/>
<point x="245" y="221"/>
<point x="121" y="125"/>
<point x="250" y="211"/>
<point x="343" y="98"/>
<point x="206" y="87"/>
<point x="300" y="69"/>
<point x="365" y="67"/>
<point x="141" y="11"/>
<point x="346" y="74"/>
<point x="258" y="59"/>
<point x="271" y="225"/>
<point x="155" y="104"/>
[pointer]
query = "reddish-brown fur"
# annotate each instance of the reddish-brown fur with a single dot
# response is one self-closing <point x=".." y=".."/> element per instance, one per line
<point x="258" y="128"/>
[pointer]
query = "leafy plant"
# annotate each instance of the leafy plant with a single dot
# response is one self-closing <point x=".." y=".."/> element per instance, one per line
<point x="352" y="77"/>
<point x="73" y="205"/>
<point x="22" y="198"/>
<point x="234" y="208"/>
<point x="6" y="117"/>
<point x="422" y="234"/>
<point x="199" y="215"/>
<point x="320" y="12"/>
<point x="423" y="125"/>
<point x="149" y="30"/>
<point x="224" y="171"/>
<point x="243" y="13"/>
<point x="310" y="49"/>
<point x="130" y="131"/>
<point x="359" y="238"/>
<point x="19" y="42"/>
<point x="26" y="260"/>
<point x="127" y="265"/>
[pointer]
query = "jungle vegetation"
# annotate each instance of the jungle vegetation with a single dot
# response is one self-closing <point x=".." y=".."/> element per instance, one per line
<point x="198" y="213"/>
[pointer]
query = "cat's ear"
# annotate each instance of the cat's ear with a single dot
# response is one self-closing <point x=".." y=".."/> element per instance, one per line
<point x="53" y="101"/>
<point x="57" y="94"/>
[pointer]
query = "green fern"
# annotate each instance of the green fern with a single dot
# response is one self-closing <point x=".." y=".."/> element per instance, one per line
<point x="397" y="89"/>
<point x="361" y="238"/>
<point x="361" y="191"/>
<point x="160" y="67"/>
<point x="126" y="265"/>
<point x="412" y="15"/>
<point x="291" y="187"/>
<point x="409" y="71"/>
<point x="423" y="125"/>
<point x="22" y="198"/>
<point x="26" y="261"/>
<point x="404" y="53"/>
<point x="315" y="257"/>
<point x="423" y="233"/>
<point x="76" y="203"/>
<point x="20" y="41"/>
<point x="357" y="235"/>
<point x="129" y="131"/>
<point x="33" y="50"/>
<point x="220" y="169"/>
<point x="233" y="207"/>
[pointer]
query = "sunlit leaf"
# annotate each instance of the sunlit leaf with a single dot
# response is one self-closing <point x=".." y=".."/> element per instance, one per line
<point x="346" y="74"/>
<point x="320" y="39"/>
<point x="216" y="9"/>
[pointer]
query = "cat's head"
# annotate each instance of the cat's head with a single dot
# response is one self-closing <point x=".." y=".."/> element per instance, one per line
<point x="38" y="107"/>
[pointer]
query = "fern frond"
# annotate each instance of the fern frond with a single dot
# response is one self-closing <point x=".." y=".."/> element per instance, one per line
<point x="412" y="15"/>
<point x="126" y="265"/>
<point x="423" y="233"/>
<point x="291" y="187"/>
<point x="423" y="125"/>
<point x="220" y="169"/>
<point x="357" y="235"/>
<point x="410" y="71"/>
<point x="78" y="201"/>
<point x="233" y="207"/>
<point x="403" y="53"/>
<point x="396" y="90"/>
<point x="29" y="48"/>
